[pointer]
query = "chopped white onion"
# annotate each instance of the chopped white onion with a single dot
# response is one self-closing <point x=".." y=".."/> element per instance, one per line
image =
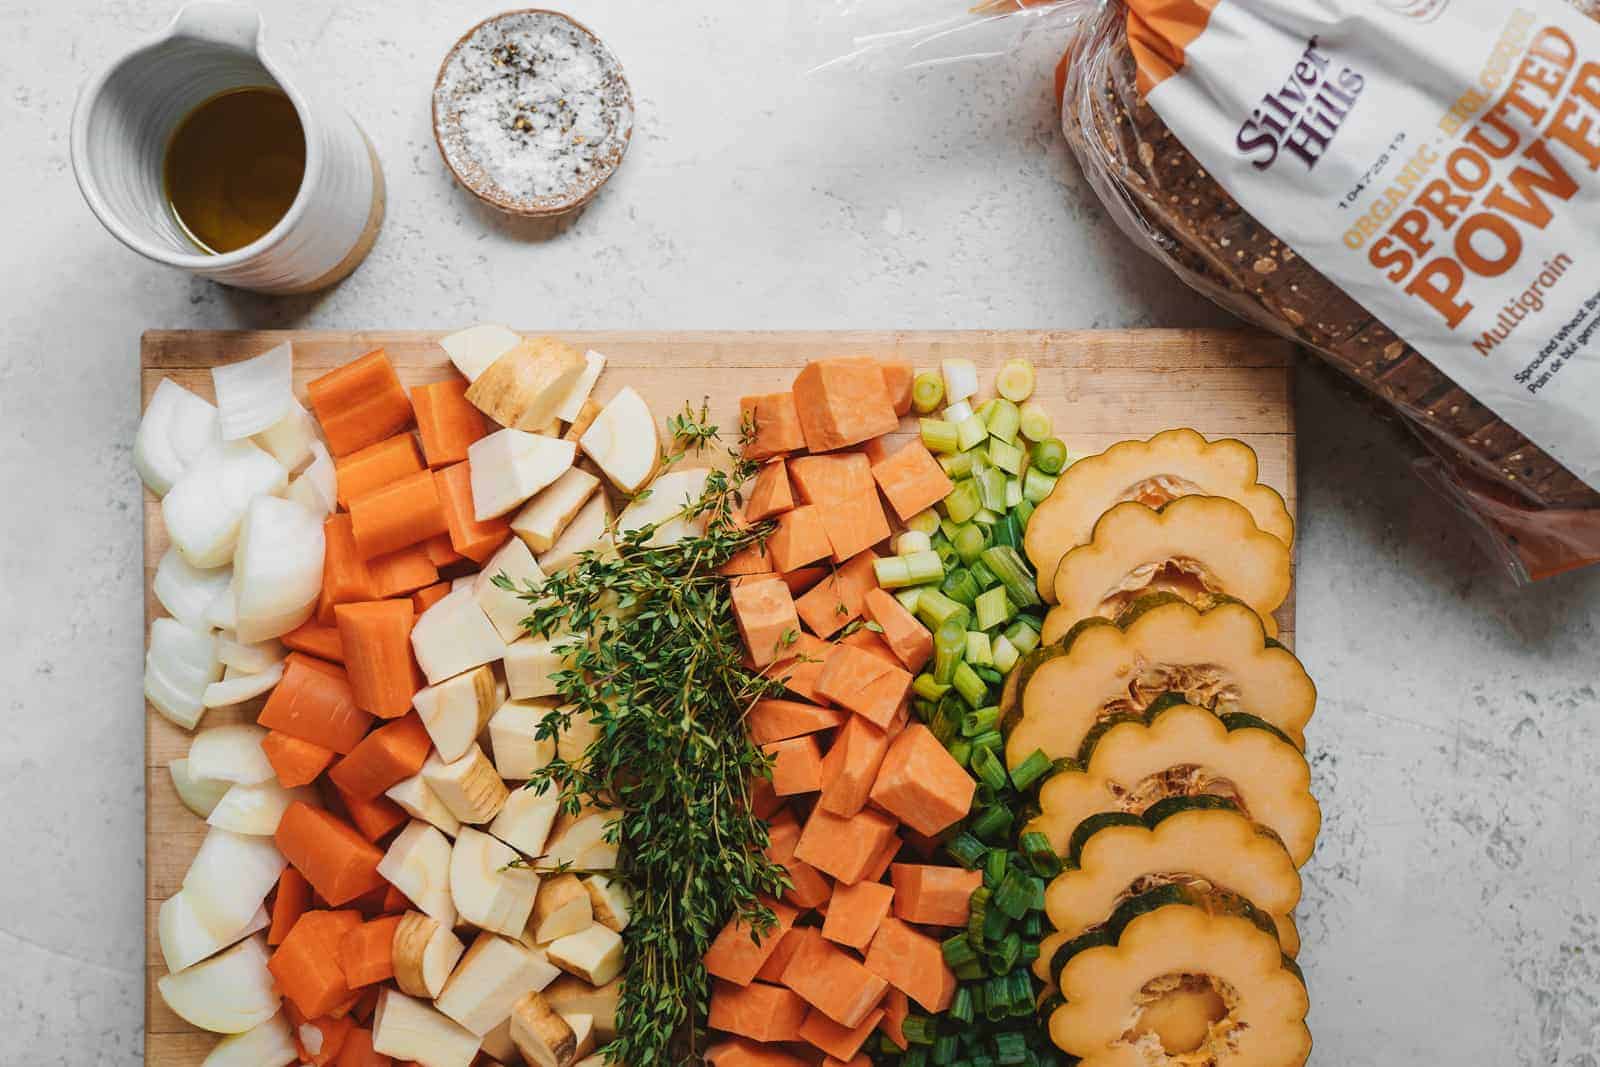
<point x="249" y="658"/>
<point x="221" y="613"/>
<point x="230" y="753"/>
<point x="958" y="412"/>
<point x="231" y="691"/>
<point x="257" y="809"/>
<point x="230" y="993"/>
<point x="230" y="876"/>
<point x="277" y="568"/>
<point x="290" y="438"/>
<point x="185" y="940"/>
<point x="181" y="662"/>
<point x="270" y="1044"/>
<point x="187" y="591"/>
<point x="317" y="487"/>
<point x="254" y="394"/>
<point x="204" y="510"/>
<point x="178" y="428"/>
<point x="199" y="795"/>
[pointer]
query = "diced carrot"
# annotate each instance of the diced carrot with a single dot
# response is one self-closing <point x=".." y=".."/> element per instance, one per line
<point x="376" y="466"/>
<point x="835" y="478"/>
<point x="423" y="599"/>
<point x="366" y="1003"/>
<point x="360" y="403"/>
<point x="871" y="642"/>
<point x="315" y="639"/>
<point x="895" y="1009"/>
<point x="843" y="846"/>
<point x="883" y="860"/>
<point x="366" y="954"/>
<point x="398" y="515"/>
<point x="376" y="818"/>
<point x="912" y="480"/>
<point x="735" y="955"/>
<point x="446" y="421"/>
<point x="799" y="671"/>
<point x="808" y="888"/>
<point x="851" y="766"/>
<point x="441" y="553"/>
<point x="764" y="801"/>
<point x="860" y="1059"/>
<point x="741" y="1052"/>
<point x="854" y="912"/>
<point x="767" y="621"/>
<point x="796" y="765"/>
<point x="402" y="573"/>
<point x="358" y="1052"/>
<point x="291" y="902"/>
<point x="294" y="762"/>
<point x="909" y="639"/>
<point x="877" y="450"/>
<point x="335" y="1029"/>
<point x="772" y="970"/>
<point x="775" y="423"/>
<point x="933" y="896"/>
<point x="306" y="965"/>
<point x="898" y="377"/>
<point x="395" y="901"/>
<point x="864" y="683"/>
<point x="473" y="539"/>
<point x="921" y="784"/>
<point x="830" y="980"/>
<point x="345" y="575"/>
<point x="761" y="1012"/>
<point x="912" y="962"/>
<point x="837" y="599"/>
<point x="390" y="754"/>
<point x="841" y="1043"/>
<point x="377" y="652"/>
<point x="843" y="401"/>
<point x="339" y="863"/>
<point x="799" y="538"/>
<point x="771" y="494"/>
<point x="314" y="702"/>
<point x="370" y="903"/>
<point x="778" y="720"/>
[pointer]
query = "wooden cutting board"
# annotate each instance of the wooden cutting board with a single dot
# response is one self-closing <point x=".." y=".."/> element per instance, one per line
<point x="1099" y="387"/>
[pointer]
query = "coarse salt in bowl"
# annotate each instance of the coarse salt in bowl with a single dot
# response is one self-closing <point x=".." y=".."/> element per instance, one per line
<point x="532" y="112"/>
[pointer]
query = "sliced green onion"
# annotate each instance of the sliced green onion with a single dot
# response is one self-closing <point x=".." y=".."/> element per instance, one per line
<point x="909" y="598"/>
<point x="1023" y="511"/>
<point x="1007" y="952"/>
<point x="892" y="572"/>
<point x="995" y="924"/>
<point x="990" y="675"/>
<point x="957" y="949"/>
<point x="1015" y="894"/>
<point x="947" y="530"/>
<point x="1050" y="455"/>
<point x="971" y="431"/>
<point x="1015" y="380"/>
<point x="986" y="409"/>
<point x="973" y="689"/>
<point x="1021" y="993"/>
<point x="1023" y="636"/>
<point x="1010" y="1046"/>
<point x="963" y="501"/>
<point x="985" y="517"/>
<point x="1008" y="531"/>
<point x="977" y="722"/>
<point x="988" y="770"/>
<point x="1035" y="425"/>
<point x="1039" y="854"/>
<point x="959" y="585"/>
<point x="935" y="609"/>
<point x="911" y="541"/>
<point x="1030" y="770"/>
<point x="995" y="865"/>
<point x="919" y="1029"/>
<point x="960" y="378"/>
<point x="1005" y="654"/>
<point x="987" y="739"/>
<point x="967" y="972"/>
<point x="928" y="687"/>
<point x="946" y="1047"/>
<point x="996" y="1000"/>
<point x="940" y="436"/>
<point x="925" y="521"/>
<point x="1003" y="421"/>
<point x="993" y="608"/>
<point x="1005" y="456"/>
<point x="980" y="570"/>
<point x="1033" y="925"/>
<point x="960" y="1008"/>
<point x="966" y="849"/>
<point x="949" y="644"/>
<point x="969" y="543"/>
<point x="1013" y="573"/>
<point x="1014" y="491"/>
<point x="958" y="412"/>
<point x="1037" y="485"/>
<point x="924" y="567"/>
<point x="927" y="392"/>
<point x="991" y="486"/>
<point x="979" y="654"/>
<point x="961" y="751"/>
<point x="957" y="464"/>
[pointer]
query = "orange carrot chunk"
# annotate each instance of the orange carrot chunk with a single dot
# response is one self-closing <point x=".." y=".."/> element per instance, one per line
<point x="376" y="466"/>
<point x="851" y="766"/>
<point x="735" y="956"/>
<point x="774" y="424"/>
<point x="377" y="652"/>
<point x="358" y="1052"/>
<point x="912" y="480"/>
<point x="864" y="683"/>
<point x="771" y="494"/>
<point x="841" y="1043"/>
<point x="808" y="887"/>
<point x="796" y="765"/>
<point x="334" y="1030"/>
<point x="837" y="599"/>
<point x="830" y="980"/>
<point x="389" y="754"/>
<point x="933" y="896"/>
<point x="376" y="818"/>
<point x="306" y="965"/>
<point x="867" y="641"/>
<point x="315" y="639"/>
<point x="360" y="403"/>
<point x="446" y="421"/>
<point x="843" y="401"/>
<point x="897" y="379"/>
<point x="742" y="1052"/>
<point x="836" y="478"/>
<point x="294" y="897"/>
<point x="339" y="863"/>
<point x="765" y="614"/>
<point x="910" y="641"/>
<point x="922" y="784"/>
<point x="854" y="913"/>
<point x="473" y="539"/>
<point x="778" y="720"/>
<point x="294" y="762"/>
<point x="314" y="702"/>
<point x="761" y="1012"/>
<point x="345" y="575"/>
<point x="423" y="599"/>
<point x="772" y="970"/>
<point x="843" y="846"/>
<point x="402" y="573"/>
<point x="895" y="1009"/>
<point x="398" y="515"/>
<point x="366" y="953"/>
<point x="911" y="962"/>
<point x="441" y="553"/>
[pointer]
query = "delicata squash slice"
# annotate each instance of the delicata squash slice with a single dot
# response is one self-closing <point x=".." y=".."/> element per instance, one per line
<point x="1181" y="977"/>
<point x="1219" y="659"/>
<point x="1172" y="464"/>
<point x="1174" y="749"/>
<point x="1195" y="841"/>
<point x="1193" y="547"/>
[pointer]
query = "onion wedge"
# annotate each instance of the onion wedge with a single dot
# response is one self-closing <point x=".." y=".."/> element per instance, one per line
<point x="199" y="795"/>
<point x="181" y="662"/>
<point x="227" y="994"/>
<point x="204" y="511"/>
<point x="230" y="876"/>
<point x="185" y="940"/>
<point x="316" y="488"/>
<point x="230" y="753"/>
<point x="231" y="691"/>
<point x="254" y="394"/>
<point x="178" y="428"/>
<point x="186" y="592"/>
<point x="249" y="658"/>
<point x="289" y="440"/>
<point x="257" y="809"/>
<point x="277" y="568"/>
<point x="269" y="1044"/>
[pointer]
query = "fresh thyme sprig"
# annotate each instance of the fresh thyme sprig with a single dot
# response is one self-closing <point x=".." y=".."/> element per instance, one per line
<point x="659" y="670"/>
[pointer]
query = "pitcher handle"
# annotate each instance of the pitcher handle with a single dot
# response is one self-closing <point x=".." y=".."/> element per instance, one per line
<point x="218" y="22"/>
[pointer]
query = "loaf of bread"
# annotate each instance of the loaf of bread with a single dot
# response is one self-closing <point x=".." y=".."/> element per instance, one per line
<point x="1162" y="195"/>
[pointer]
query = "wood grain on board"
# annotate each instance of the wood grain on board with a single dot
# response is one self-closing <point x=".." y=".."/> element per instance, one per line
<point x="1099" y="387"/>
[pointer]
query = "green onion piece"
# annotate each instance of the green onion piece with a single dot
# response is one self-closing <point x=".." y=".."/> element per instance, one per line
<point x="969" y="543"/>
<point x="979" y="653"/>
<point x="1005" y="456"/>
<point x="973" y="689"/>
<point x="987" y="739"/>
<point x="957" y="950"/>
<point x="949" y="644"/>
<point x="980" y="721"/>
<point x="946" y="1047"/>
<point x="1036" y="897"/>
<point x="924" y="567"/>
<point x="993" y="607"/>
<point x="1035" y="422"/>
<point x="1007" y="531"/>
<point x="911" y="541"/>
<point x="1005" y="653"/>
<point x="995" y="865"/>
<point x="1007" y="952"/>
<point x="957" y="464"/>
<point x="963" y="501"/>
<point x="1011" y="1047"/>
<point x="988" y="770"/>
<point x="1015" y="894"/>
<point x="980" y="570"/>
<point x="996" y="999"/>
<point x="1029" y="771"/>
<point x="947" y="530"/>
<point x="1015" y="380"/>
<point x="1050" y="456"/>
<point x="959" y="585"/>
<point x="985" y="517"/>
<point x="977" y="909"/>
<point x="1023" y="636"/>
<point x="1041" y="857"/>
<point x="970" y="972"/>
<point x="1037" y="485"/>
<point x="1014" y="491"/>
<point x="892" y="572"/>
<point x="935" y="609"/>
<point x="927" y="687"/>
<point x="961" y="751"/>
<point x="909" y="598"/>
<point x="947" y="555"/>
<point x="1023" y="511"/>
<point x="925" y="521"/>
<point x="918" y="1029"/>
<point x="970" y="432"/>
<point x="927" y="392"/>
<point x="991" y="485"/>
<point x="990" y="675"/>
<point x="940" y="436"/>
<point x="995" y="924"/>
<point x="1009" y="567"/>
<point x="1003" y="420"/>
<point x="985" y="409"/>
<point x="991" y="823"/>
<point x="960" y="1008"/>
<point x="1021" y="992"/>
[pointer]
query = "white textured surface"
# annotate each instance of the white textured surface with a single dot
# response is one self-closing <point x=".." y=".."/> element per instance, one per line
<point x="1452" y="909"/>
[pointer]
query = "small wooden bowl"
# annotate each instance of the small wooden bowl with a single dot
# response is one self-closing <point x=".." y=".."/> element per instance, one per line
<point x="617" y="104"/>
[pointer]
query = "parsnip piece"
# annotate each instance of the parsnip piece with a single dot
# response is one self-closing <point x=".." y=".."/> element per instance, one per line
<point x="612" y="903"/>
<point x="582" y="1029"/>
<point x="563" y="907"/>
<point x="505" y="608"/>
<point x="489" y="892"/>
<point x="589" y="531"/>
<point x="670" y="495"/>
<point x="418" y="800"/>
<point x="201" y="795"/>
<point x="473" y="349"/>
<point x="580" y="840"/>
<point x="490" y="979"/>
<point x="498" y="1046"/>
<point x="267" y="1044"/>
<point x="598" y="1059"/>
<point x="185" y="940"/>
<point x="513" y="735"/>
<point x="624" y="442"/>
<point x="408" y="1029"/>
<point x="509" y="466"/>
<point x="525" y="821"/>
<point x="456" y="710"/>
<point x="580" y="426"/>
<point x="571" y="407"/>
<point x="526" y="386"/>
<point x="418" y="864"/>
<point x="531" y="665"/>
<point x="574" y="741"/>
<point x="542" y="1036"/>
<point x="543" y="518"/>
<point x="454" y="636"/>
<point x="230" y="993"/>
<point x="469" y="786"/>
<point x="573" y="996"/>
<point x="230" y="876"/>
<point x="425" y="951"/>
<point x="593" y="954"/>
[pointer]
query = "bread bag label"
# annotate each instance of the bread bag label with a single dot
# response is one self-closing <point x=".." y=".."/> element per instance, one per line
<point x="1439" y="160"/>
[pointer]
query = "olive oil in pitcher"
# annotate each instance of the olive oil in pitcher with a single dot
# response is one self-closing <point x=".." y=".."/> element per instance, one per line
<point x="234" y="166"/>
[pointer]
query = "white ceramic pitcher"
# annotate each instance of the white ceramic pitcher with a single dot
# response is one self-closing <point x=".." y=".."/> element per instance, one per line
<point x="127" y="113"/>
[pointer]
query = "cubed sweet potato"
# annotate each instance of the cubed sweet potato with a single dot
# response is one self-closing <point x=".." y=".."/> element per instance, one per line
<point x="864" y="683"/>
<point x="770" y="495"/>
<point x="778" y="720"/>
<point x="933" y="896"/>
<point x="910" y="641"/>
<point x="775" y="423"/>
<point x="921" y="784"/>
<point x="851" y="766"/>
<point x="834" y="983"/>
<point x="761" y="1012"/>
<point x="843" y="401"/>
<point x="767" y="619"/>
<point x="912" y="962"/>
<point x="912" y="480"/>
<point x="837" y="599"/>
<point x="800" y="538"/>
<point x="796" y="765"/>
<point x="854" y="912"/>
<point x="843" y="846"/>
<point x="734" y="956"/>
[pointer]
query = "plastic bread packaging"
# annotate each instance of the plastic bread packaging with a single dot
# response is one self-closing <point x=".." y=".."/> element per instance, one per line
<point x="1408" y="188"/>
